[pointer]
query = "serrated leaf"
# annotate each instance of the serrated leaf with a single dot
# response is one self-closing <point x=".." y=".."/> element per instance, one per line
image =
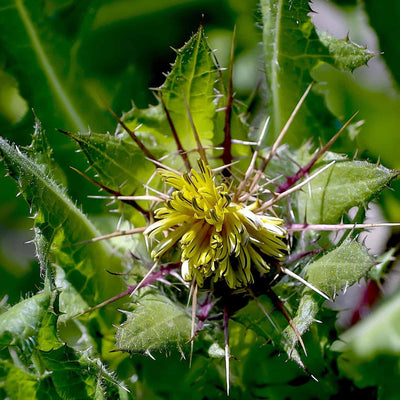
<point x="155" y="324"/>
<point x="335" y="271"/>
<point x="292" y="50"/>
<point x="340" y="268"/>
<point x="20" y="324"/>
<point x="63" y="225"/>
<point x="342" y="186"/>
<point x="347" y="55"/>
<point x="120" y="164"/>
<point x="192" y="78"/>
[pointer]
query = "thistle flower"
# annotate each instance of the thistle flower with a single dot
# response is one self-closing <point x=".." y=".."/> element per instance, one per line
<point x="218" y="238"/>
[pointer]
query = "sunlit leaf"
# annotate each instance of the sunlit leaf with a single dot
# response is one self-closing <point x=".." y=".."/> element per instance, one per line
<point x="292" y="50"/>
<point x="342" y="186"/>
<point x="335" y="271"/>
<point x="20" y="324"/>
<point x="155" y="324"/>
<point x="192" y="80"/>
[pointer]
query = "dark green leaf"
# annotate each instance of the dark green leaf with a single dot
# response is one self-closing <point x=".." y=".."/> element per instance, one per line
<point x="63" y="225"/>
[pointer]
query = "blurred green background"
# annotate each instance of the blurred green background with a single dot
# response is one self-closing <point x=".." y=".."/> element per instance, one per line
<point x="63" y="58"/>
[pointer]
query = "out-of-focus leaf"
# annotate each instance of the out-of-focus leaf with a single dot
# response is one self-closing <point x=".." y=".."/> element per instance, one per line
<point x="383" y="17"/>
<point x="370" y="350"/>
<point x="155" y="324"/>
<point x="340" y="187"/>
<point x="13" y="106"/>
<point x="63" y="225"/>
<point x="292" y="50"/>
<point x="19" y="384"/>
<point x="26" y="26"/>
<point x="375" y="335"/>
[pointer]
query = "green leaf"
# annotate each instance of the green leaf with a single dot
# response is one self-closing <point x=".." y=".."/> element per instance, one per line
<point x="20" y="324"/>
<point x="292" y="51"/>
<point x="192" y="78"/>
<point x="347" y="55"/>
<point x="342" y="186"/>
<point x="26" y="26"/>
<point x="340" y="268"/>
<point x="155" y="324"/>
<point x="335" y="271"/>
<point x="370" y="349"/>
<point x="78" y="376"/>
<point x="63" y="225"/>
<point x="13" y="106"/>
<point x="254" y="316"/>
<point x="377" y="334"/>
<point x="19" y="384"/>
<point x="120" y="164"/>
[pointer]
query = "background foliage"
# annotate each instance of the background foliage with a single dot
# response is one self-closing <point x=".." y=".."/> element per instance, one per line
<point x="69" y="56"/>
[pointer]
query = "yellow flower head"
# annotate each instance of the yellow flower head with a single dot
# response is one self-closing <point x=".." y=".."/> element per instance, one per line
<point x="218" y="238"/>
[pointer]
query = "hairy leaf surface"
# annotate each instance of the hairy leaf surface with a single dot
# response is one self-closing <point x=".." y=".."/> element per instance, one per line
<point x="336" y="270"/>
<point x="155" y="324"/>
<point x="63" y="225"/>
<point x="120" y="165"/>
<point x="342" y="186"/>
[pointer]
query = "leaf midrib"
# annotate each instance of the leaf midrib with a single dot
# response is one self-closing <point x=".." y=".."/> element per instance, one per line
<point x="47" y="68"/>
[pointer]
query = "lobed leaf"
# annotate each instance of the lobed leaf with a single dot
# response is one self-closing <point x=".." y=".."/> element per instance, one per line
<point x="156" y="323"/>
<point x="344" y="185"/>
<point x="293" y="49"/>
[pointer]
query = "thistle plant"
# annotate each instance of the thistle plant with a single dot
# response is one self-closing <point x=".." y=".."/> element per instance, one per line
<point x="228" y="246"/>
